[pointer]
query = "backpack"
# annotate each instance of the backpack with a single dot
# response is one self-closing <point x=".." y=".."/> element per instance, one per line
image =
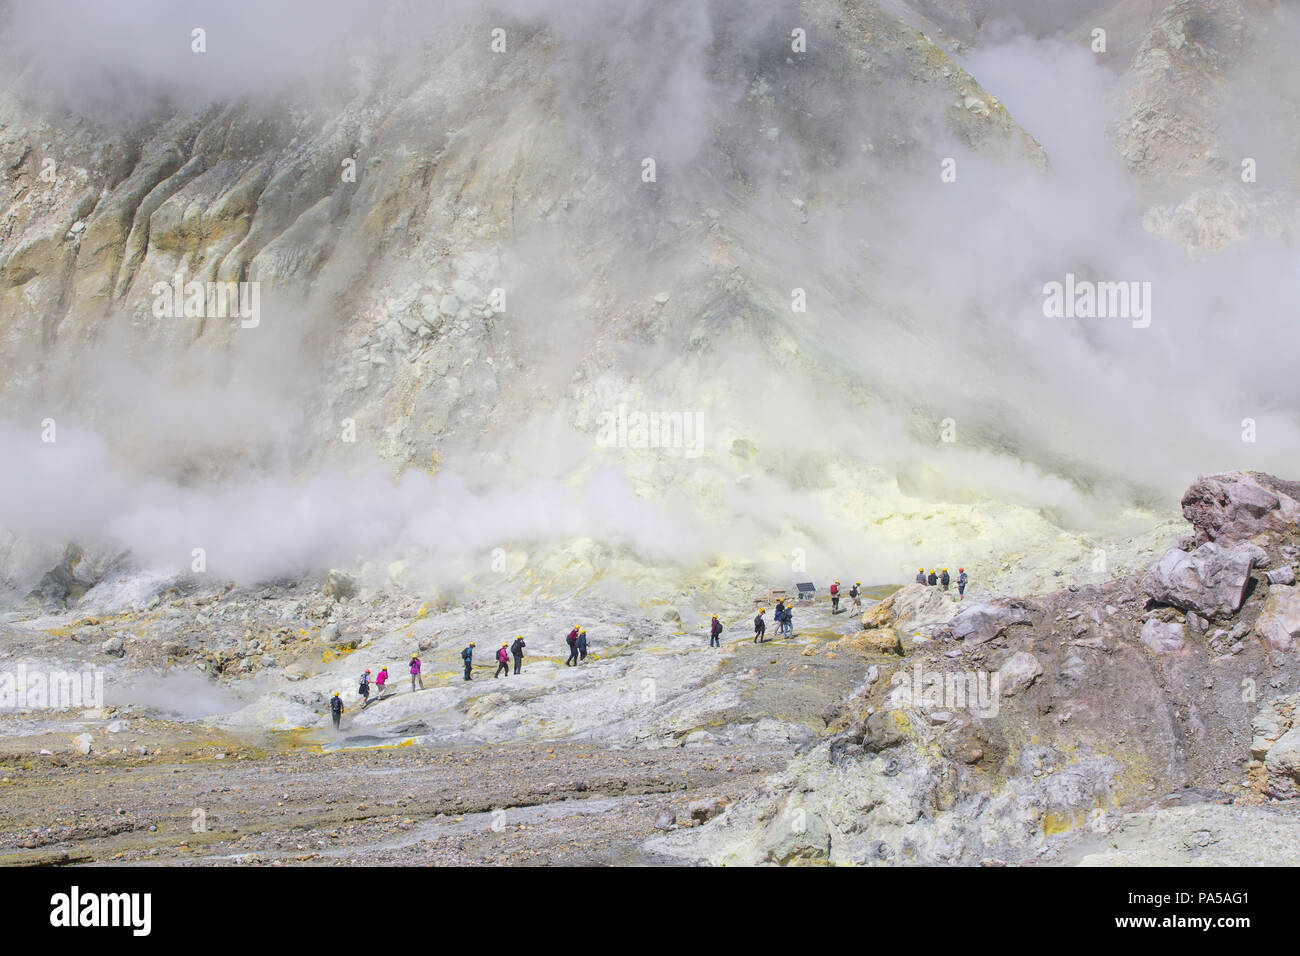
<point x="466" y="654"/>
<point x="363" y="688"/>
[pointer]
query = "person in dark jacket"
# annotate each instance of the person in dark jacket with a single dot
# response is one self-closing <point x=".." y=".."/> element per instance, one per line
<point x="944" y="580"/>
<point x="920" y="575"/>
<point x="789" y="620"/>
<point x="933" y="579"/>
<point x="961" y="583"/>
<point x="715" y="632"/>
<point x="517" y="649"/>
<point x="582" y="644"/>
<point x="760" y="626"/>
<point x="572" y="641"/>
<point x="336" y="709"/>
<point x="855" y="593"/>
<point x="467" y="655"/>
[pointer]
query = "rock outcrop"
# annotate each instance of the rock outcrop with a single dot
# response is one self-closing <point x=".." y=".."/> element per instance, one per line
<point x="1236" y="507"/>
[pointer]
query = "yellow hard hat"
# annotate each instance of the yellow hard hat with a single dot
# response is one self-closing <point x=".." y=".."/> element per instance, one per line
<point x="505" y="643"/>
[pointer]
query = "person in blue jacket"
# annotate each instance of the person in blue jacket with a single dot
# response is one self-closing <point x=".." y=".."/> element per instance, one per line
<point x="467" y="655"/>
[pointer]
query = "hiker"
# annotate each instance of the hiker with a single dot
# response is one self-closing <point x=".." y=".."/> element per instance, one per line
<point x="944" y="579"/>
<point x="415" y="672"/>
<point x="788" y="623"/>
<point x="572" y="641"/>
<point x="933" y="579"/>
<point x="336" y="709"/>
<point x="760" y="625"/>
<point x="364" y="688"/>
<point x="467" y="655"/>
<point x="920" y="575"/>
<point x="961" y="583"/>
<point x="582" y="644"/>
<point x="517" y="649"/>
<point x="380" y="681"/>
<point x="835" y="598"/>
<point x="715" y="631"/>
<point x="855" y="592"/>
<point x="503" y="660"/>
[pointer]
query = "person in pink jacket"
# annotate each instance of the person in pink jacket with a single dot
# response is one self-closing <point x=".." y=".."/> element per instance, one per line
<point x="503" y="661"/>
<point x="415" y="672"/>
<point x="381" y="680"/>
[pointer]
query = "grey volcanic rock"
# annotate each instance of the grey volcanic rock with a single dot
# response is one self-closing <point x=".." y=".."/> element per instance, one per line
<point x="1210" y="580"/>
<point x="1162" y="637"/>
<point x="978" y="623"/>
<point x="1019" y="673"/>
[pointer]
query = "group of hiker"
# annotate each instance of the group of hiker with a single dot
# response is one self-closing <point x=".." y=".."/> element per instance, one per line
<point x="577" y="639"/>
<point x="505" y="653"/>
<point x="783" y="615"/>
<point x="942" y="579"/>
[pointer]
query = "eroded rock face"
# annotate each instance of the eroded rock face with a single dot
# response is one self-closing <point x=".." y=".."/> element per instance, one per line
<point x="1279" y="620"/>
<point x="1277" y="745"/>
<point x="1211" y="580"/>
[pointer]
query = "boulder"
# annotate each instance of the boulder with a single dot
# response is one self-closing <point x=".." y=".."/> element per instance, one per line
<point x="82" y="743"/>
<point x="1279" y="618"/>
<point x="1233" y="507"/>
<point x="1019" y="673"/>
<point x="880" y="640"/>
<point x="1161" y="637"/>
<point x="1210" y="580"/>
<point x="980" y="623"/>
<point x="1283" y="575"/>
<point x="703" y="810"/>
<point x="910" y="607"/>
<point x="113" y="647"/>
